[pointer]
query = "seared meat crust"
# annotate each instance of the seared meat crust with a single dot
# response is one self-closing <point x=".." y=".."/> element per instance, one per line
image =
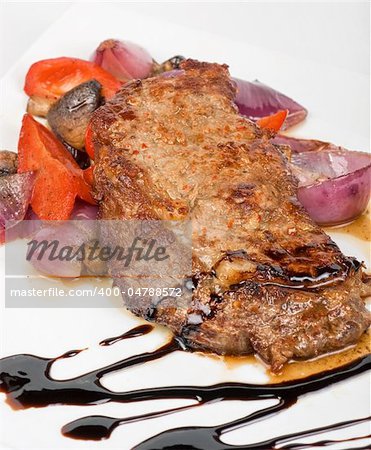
<point x="267" y="279"/>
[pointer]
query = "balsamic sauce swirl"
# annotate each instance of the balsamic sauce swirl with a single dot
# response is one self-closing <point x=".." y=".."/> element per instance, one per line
<point x="26" y="381"/>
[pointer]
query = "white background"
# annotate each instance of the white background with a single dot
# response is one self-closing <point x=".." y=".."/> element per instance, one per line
<point x="336" y="33"/>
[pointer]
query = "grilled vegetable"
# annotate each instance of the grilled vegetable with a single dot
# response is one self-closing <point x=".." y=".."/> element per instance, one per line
<point x="334" y="183"/>
<point x="15" y="196"/>
<point x="59" y="180"/>
<point x="88" y="143"/>
<point x="79" y="230"/>
<point x="48" y="80"/>
<point x="88" y="175"/>
<point x="39" y="106"/>
<point x="256" y="100"/>
<point x="70" y="115"/>
<point x="124" y="60"/>
<point x="274" y="122"/>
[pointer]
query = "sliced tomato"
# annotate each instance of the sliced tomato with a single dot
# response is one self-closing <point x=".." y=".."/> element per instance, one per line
<point x="51" y="78"/>
<point x="58" y="177"/>
<point x="273" y="122"/>
<point x="89" y="147"/>
<point x="88" y="175"/>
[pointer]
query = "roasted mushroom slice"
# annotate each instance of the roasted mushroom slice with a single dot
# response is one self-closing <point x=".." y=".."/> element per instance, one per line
<point x="39" y="106"/>
<point x="70" y="115"/>
<point x="8" y="163"/>
<point x="170" y="64"/>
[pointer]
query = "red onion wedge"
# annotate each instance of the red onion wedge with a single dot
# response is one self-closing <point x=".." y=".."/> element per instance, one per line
<point x="84" y="211"/>
<point x="256" y="100"/>
<point x="303" y="145"/>
<point x="123" y="60"/>
<point x="25" y="228"/>
<point x="62" y="235"/>
<point x="15" y="195"/>
<point x="80" y="229"/>
<point x="334" y="183"/>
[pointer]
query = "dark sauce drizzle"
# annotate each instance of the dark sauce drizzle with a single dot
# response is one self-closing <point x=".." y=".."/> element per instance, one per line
<point x="140" y="330"/>
<point x="26" y="381"/>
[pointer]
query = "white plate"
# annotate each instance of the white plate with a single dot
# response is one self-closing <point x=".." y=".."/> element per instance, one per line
<point x="50" y="332"/>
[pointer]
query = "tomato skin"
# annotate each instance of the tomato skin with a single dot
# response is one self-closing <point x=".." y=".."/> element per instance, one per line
<point x="59" y="180"/>
<point x="273" y="122"/>
<point x="89" y="175"/>
<point x="89" y="147"/>
<point x="51" y="78"/>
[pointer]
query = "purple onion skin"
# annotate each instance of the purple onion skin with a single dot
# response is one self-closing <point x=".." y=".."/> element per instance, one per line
<point x="84" y="211"/>
<point x="25" y="228"/>
<point x="337" y="201"/>
<point x="15" y="196"/>
<point x="301" y="145"/>
<point x="68" y="233"/>
<point x="334" y="183"/>
<point x="256" y="100"/>
<point x="31" y="222"/>
<point x="123" y="60"/>
<point x="80" y="229"/>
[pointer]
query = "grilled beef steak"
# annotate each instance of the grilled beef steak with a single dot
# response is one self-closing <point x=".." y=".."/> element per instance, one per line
<point x="266" y="278"/>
